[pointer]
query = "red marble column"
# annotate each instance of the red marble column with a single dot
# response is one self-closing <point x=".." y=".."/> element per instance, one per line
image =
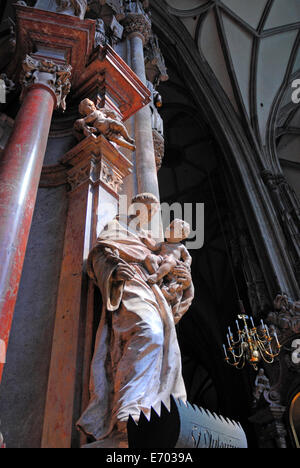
<point x="20" y="170"/>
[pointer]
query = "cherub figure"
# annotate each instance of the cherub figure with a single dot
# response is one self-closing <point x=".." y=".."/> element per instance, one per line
<point x="100" y="122"/>
<point x="169" y="255"/>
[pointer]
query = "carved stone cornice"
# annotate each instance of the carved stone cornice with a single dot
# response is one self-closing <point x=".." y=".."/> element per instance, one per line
<point x="47" y="74"/>
<point x="110" y="78"/>
<point x="68" y="39"/>
<point x="136" y="23"/>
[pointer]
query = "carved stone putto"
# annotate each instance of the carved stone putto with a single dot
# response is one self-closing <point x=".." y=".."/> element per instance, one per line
<point x="45" y="72"/>
<point x="101" y="122"/>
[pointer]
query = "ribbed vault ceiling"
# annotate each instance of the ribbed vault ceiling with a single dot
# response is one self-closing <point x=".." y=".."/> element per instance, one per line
<point x="252" y="47"/>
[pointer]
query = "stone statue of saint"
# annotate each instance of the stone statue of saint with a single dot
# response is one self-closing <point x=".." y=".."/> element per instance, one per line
<point x="102" y="122"/>
<point x="137" y="361"/>
<point x="261" y="385"/>
<point x="66" y="7"/>
<point x="100" y="33"/>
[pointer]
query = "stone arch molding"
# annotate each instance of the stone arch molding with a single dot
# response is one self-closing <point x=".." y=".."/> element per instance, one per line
<point x="233" y="130"/>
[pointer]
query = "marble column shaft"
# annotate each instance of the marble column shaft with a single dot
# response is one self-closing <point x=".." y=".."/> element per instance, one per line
<point x="20" y="170"/>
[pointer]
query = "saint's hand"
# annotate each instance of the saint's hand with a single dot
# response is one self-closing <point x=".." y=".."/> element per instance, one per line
<point x="123" y="273"/>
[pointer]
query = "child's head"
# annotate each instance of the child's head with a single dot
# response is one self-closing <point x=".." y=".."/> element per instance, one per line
<point x="177" y="231"/>
<point x="86" y="107"/>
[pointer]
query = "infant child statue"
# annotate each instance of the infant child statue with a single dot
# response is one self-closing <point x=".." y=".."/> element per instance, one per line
<point x="169" y="254"/>
<point x="100" y="122"/>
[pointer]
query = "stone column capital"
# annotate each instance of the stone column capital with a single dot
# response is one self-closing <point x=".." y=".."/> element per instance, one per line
<point x="47" y="74"/>
<point x="137" y="24"/>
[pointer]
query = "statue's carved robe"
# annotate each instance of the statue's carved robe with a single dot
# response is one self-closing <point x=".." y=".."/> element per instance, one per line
<point x="137" y="361"/>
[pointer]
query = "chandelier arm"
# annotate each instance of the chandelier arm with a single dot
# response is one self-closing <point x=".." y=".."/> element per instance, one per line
<point x="237" y="356"/>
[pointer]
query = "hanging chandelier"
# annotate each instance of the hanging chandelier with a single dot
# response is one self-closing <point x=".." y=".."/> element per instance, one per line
<point x="253" y="344"/>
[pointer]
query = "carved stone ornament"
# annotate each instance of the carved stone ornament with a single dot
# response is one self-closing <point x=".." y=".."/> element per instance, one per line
<point x="286" y="317"/>
<point x="97" y="7"/>
<point x="117" y="30"/>
<point x="47" y="73"/>
<point x="79" y="175"/>
<point x="110" y="177"/>
<point x="159" y="148"/>
<point x="155" y="63"/>
<point x="9" y="84"/>
<point x="137" y="23"/>
<point x="100" y="34"/>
